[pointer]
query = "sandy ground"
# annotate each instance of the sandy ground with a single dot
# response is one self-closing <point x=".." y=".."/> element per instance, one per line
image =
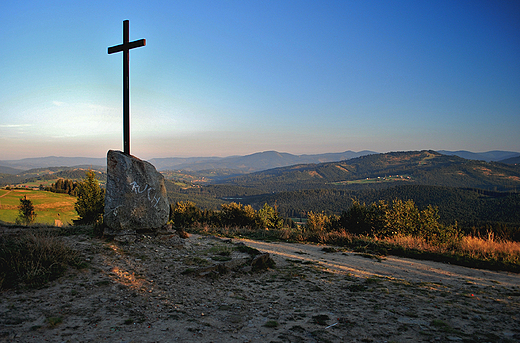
<point x="141" y="292"/>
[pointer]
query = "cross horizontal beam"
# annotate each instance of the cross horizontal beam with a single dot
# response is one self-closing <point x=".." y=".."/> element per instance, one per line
<point x="129" y="45"/>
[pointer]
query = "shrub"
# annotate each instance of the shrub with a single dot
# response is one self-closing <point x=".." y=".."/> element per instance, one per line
<point x="361" y="219"/>
<point x="400" y="218"/>
<point x="184" y="214"/>
<point x="234" y="214"/>
<point x="32" y="259"/>
<point x="317" y="222"/>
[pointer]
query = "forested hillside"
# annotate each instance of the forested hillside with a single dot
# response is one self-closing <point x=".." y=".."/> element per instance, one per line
<point x="466" y="206"/>
<point x="465" y="191"/>
<point x="51" y="173"/>
<point x="386" y="170"/>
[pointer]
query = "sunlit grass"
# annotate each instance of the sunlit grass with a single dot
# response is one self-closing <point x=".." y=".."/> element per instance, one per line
<point x="47" y="205"/>
<point x="488" y="248"/>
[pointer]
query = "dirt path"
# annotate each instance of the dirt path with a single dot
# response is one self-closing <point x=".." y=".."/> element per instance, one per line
<point x="391" y="267"/>
<point x="142" y="292"/>
<point x="3" y="195"/>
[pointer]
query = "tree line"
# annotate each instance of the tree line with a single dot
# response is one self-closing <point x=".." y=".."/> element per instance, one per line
<point x="379" y="219"/>
<point x="185" y="214"/>
<point x="67" y="186"/>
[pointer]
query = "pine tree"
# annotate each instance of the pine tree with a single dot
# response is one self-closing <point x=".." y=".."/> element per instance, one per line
<point x="59" y="186"/>
<point x="26" y="214"/>
<point x="91" y="200"/>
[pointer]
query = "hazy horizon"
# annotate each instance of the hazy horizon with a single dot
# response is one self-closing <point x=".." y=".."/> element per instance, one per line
<point x="236" y="78"/>
<point x="258" y="152"/>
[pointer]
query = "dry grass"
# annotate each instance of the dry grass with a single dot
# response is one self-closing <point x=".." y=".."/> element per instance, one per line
<point x="489" y="248"/>
<point x="33" y="258"/>
<point x="409" y="242"/>
<point x="486" y="249"/>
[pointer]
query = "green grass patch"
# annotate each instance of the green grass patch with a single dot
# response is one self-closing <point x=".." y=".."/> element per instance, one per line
<point x="54" y="321"/>
<point x="442" y="325"/>
<point x="373" y="180"/>
<point x="220" y="250"/>
<point x="47" y="206"/>
<point x="271" y="324"/>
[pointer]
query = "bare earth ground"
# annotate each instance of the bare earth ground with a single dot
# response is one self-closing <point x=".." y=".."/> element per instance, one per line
<point x="138" y="292"/>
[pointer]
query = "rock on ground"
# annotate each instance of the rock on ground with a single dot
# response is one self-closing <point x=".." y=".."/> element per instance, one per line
<point x="136" y="196"/>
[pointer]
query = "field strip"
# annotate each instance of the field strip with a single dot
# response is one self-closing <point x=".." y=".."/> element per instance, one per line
<point x="3" y="195"/>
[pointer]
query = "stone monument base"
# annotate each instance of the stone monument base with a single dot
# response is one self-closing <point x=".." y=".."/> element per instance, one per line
<point x="135" y="197"/>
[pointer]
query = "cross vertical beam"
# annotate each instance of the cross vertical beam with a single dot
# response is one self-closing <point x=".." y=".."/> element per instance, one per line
<point x="125" y="48"/>
<point x="126" y="88"/>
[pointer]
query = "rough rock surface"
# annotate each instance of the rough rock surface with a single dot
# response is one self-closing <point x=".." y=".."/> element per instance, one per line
<point x="136" y="196"/>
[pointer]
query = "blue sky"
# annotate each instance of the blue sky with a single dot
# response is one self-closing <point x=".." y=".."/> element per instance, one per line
<point x="221" y="78"/>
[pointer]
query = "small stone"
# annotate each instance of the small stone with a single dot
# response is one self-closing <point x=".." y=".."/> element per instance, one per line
<point x="262" y="262"/>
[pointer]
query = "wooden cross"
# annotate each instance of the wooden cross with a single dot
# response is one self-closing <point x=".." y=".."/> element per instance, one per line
<point x="125" y="48"/>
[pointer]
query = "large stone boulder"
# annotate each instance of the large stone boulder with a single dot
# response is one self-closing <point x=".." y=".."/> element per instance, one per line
<point x="136" y="196"/>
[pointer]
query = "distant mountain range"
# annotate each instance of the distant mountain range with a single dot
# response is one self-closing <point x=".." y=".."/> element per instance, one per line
<point x="240" y="164"/>
<point x="490" y="156"/>
<point x="252" y="163"/>
<point x="15" y="166"/>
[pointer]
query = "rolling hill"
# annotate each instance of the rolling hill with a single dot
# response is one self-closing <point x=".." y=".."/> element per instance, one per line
<point x="464" y="190"/>
<point x="236" y="164"/>
<point x="232" y="164"/>
<point x="385" y="170"/>
<point x="9" y="170"/>
<point x="489" y="156"/>
<point x="40" y="175"/>
<point x="512" y="160"/>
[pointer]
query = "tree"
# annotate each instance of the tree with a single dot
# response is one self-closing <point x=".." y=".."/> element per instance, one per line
<point x="270" y="218"/>
<point x="26" y="212"/>
<point x="91" y="200"/>
<point x="59" y="186"/>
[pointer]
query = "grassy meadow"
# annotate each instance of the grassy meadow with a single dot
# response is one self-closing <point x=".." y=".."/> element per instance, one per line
<point x="47" y="205"/>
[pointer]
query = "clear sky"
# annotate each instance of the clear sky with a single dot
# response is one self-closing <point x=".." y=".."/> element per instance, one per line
<point x="221" y="78"/>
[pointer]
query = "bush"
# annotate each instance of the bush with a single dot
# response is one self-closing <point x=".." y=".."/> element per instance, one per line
<point x="184" y="214"/>
<point x="234" y="214"/>
<point x="32" y="259"/>
<point x="400" y="218"/>
<point x="317" y="222"/>
<point x="361" y="219"/>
